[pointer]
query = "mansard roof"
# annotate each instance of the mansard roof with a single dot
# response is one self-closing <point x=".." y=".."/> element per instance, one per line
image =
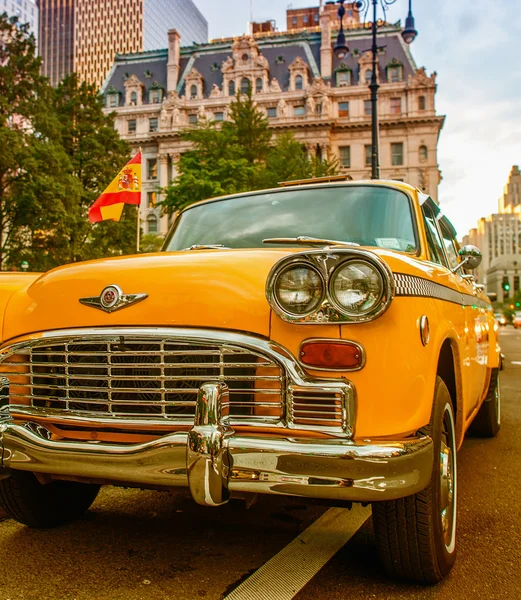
<point x="280" y="51"/>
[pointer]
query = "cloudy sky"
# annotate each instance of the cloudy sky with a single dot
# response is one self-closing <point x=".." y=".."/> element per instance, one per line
<point x="475" y="48"/>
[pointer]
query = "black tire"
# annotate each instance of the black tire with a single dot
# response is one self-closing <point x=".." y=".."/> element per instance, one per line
<point x="416" y="540"/>
<point x="487" y="422"/>
<point x="39" y="506"/>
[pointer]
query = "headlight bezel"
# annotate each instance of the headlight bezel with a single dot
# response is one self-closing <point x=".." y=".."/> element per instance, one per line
<point x="327" y="262"/>
<point x="285" y="269"/>
<point x="334" y="298"/>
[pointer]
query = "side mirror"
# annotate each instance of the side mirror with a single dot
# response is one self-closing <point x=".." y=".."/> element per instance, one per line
<point x="470" y="258"/>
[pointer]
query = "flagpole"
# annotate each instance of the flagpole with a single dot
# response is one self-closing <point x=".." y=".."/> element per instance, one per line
<point x="138" y="233"/>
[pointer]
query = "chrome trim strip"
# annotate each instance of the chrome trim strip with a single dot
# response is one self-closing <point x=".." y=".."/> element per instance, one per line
<point x="362" y="471"/>
<point x="293" y="373"/>
<point x="326" y="261"/>
<point x="332" y="341"/>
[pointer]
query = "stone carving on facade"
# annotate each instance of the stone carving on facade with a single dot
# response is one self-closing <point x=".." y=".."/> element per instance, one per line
<point x="274" y="86"/>
<point x="216" y="91"/>
<point x="247" y="62"/>
<point x="282" y="108"/>
<point x="420" y="78"/>
<point x="365" y="63"/>
<point x="227" y="65"/>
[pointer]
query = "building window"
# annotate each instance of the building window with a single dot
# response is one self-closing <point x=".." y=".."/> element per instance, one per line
<point x="318" y="109"/>
<point x="218" y="116"/>
<point x="368" y="76"/>
<point x="155" y="96"/>
<point x="151" y="199"/>
<point x="272" y="112"/>
<point x="192" y="119"/>
<point x="397" y="154"/>
<point x="424" y="153"/>
<point x="112" y="100"/>
<point x="343" y="109"/>
<point x="151" y="168"/>
<point x="299" y="82"/>
<point x="258" y="85"/>
<point x="133" y="98"/>
<point x="299" y="111"/>
<point x="368" y="108"/>
<point x="368" y="155"/>
<point x="316" y="17"/>
<point x="396" y="106"/>
<point x="345" y="156"/>
<point x="193" y="92"/>
<point x="394" y="73"/>
<point x="421" y="103"/>
<point x="131" y="126"/>
<point x="343" y="78"/>
<point x="152" y="224"/>
<point x="152" y="124"/>
<point x="294" y="21"/>
<point x="231" y="88"/>
<point x="305" y="19"/>
<point x="245" y="85"/>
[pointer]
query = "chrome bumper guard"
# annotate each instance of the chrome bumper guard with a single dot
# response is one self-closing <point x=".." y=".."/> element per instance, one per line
<point x="214" y="462"/>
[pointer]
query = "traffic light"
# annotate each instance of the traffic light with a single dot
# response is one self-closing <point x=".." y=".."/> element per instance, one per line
<point x="518" y="304"/>
<point x="506" y="284"/>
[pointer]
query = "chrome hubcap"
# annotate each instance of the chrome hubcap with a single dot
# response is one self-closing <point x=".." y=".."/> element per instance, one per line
<point x="447" y="481"/>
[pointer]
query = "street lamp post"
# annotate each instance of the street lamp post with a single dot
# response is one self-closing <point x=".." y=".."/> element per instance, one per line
<point x="409" y="33"/>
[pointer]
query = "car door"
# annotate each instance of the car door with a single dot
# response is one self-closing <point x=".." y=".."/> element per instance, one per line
<point x="456" y="310"/>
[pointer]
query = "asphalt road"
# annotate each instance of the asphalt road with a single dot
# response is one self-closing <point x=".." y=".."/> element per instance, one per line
<point x="148" y="545"/>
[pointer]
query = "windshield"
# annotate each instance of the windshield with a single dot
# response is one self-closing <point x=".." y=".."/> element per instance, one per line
<point x="367" y="215"/>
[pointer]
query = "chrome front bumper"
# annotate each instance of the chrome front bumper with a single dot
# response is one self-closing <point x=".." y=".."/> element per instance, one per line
<point x="214" y="462"/>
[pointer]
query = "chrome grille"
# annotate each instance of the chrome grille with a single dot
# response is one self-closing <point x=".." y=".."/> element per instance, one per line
<point x="318" y="408"/>
<point x="141" y="377"/>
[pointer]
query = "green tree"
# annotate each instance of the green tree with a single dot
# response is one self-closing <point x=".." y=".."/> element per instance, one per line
<point x="35" y="171"/>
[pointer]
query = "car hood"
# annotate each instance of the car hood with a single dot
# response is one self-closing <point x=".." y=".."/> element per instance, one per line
<point x="204" y="288"/>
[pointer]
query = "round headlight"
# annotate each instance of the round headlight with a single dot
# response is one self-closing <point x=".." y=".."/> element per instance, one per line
<point x="357" y="287"/>
<point x="299" y="289"/>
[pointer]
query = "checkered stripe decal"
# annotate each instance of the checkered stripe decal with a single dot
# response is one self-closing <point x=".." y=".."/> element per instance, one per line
<point x="409" y="285"/>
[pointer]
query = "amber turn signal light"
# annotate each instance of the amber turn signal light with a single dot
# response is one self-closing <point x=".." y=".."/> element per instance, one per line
<point x="332" y="355"/>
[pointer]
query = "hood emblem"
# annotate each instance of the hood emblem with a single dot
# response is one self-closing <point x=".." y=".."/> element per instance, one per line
<point x="112" y="298"/>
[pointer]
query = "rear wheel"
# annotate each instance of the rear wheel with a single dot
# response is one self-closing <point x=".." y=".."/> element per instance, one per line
<point x="487" y="422"/>
<point x="416" y="535"/>
<point x="39" y="506"/>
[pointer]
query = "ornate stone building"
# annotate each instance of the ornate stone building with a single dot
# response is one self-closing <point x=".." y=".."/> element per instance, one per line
<point x="300" y="85"/>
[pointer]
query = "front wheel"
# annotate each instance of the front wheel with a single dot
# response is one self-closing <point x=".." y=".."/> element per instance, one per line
<point x="416" y="535"/>
<point x="40" y="506"/>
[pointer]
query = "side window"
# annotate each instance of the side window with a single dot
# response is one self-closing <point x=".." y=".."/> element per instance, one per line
<point x="450" y="246"/>
<point x="433" y="237"/>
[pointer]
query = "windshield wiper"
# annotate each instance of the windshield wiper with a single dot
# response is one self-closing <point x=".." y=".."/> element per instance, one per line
<point x="304" y="239"/>
<point x="206" y="247"/>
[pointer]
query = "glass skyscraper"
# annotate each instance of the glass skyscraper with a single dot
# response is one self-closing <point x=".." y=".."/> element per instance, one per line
<point x="183" y="15"/>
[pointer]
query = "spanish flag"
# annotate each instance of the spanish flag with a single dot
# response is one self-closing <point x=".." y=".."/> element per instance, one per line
<point x="124" y="189"/>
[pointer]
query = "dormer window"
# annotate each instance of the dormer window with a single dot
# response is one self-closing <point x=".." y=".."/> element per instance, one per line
<point x="394" y="73"/>
<point x="368" y="76"/>
<point x="231" y="88"/>
<point x="113" y="99"/>
<point x="343" y="77"/>
<point x="258" y="85"/>
<point x="133" y="98"/>
<point x="422" y="105"/>
<point x="155" y="96"/>
<point x="299" y="83"/>
<point x="193" y="92"/>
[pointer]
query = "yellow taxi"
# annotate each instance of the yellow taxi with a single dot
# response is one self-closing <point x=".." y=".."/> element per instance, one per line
<point x="321" y="340"/>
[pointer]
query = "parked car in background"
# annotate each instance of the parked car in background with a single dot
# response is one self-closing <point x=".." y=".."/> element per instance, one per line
<point x="516" y="320"/>
<point x="501" y="319"/>
<point x="321" y="340"/>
